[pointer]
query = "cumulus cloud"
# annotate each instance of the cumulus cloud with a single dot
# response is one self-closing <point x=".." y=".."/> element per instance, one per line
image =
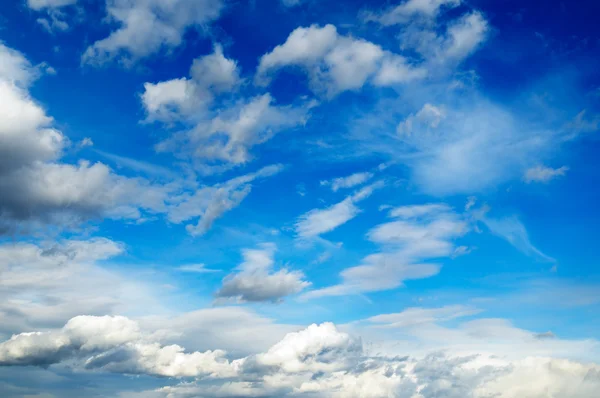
<point x="336" y="63"/>
<point x="320" y="360"/>
<point x="218" y="135"/>
<point x="347" y="182"/>
<point x="113" y="344"/>
<point x="149" y="26"/>
<point x="40" y="190"/>
<point x="256" y="281"/>
<point x="410" y="10"/>
<point x="417" y="233"/>
<point x="178" y="99"/>
<point x="319" y="221"/>
<point x="543" y="174"/>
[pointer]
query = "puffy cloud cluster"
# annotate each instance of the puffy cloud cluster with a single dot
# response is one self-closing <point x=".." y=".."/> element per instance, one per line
<point x="336" y="63"/>
<point x="39" y="190"/>
<point x="417" y="233"/>
<point x="114" y="344"/>
<point x="219" y="134"/>
<point x="148" y="26"/>
<point x="256" y="281"/>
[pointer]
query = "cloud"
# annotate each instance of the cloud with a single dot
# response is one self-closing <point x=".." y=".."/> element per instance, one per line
<point x="189" y="98"/>
<point x="319" y="221"/>
<point x="318" y="360"/>
<point x="209" y="203"/>
<point x="419" y="232"/>
<point x="543" y="174"/>
<point x="336" y="63"/>
<point x="42" y="4"/>
<point x="147" y="27"/>
<point x="514" y="232"/>
<point x="44" y="285"/>
<point x="428" y="117"/>
<point x="412" y="317"/>
<point x="221" y="127"/>
<point x="113" y="344"/>
<point x="348" y="182"/>
<point x="196" y="268"/>
<point x="410" y="10"/>
<point x="255" y="280"/>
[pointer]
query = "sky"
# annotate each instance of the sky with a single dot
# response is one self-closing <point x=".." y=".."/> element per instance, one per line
<point x="299" y="198"/>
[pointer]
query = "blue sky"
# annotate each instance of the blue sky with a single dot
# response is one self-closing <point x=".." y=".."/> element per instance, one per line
<point x="286" y="197"/>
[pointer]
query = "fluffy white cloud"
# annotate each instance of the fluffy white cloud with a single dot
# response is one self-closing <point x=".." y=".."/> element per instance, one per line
<point x="190" y="98"/>
<point x="114" y="344"/>
<point x="319" y="221"/>
<point x="39" y="190"/>
<point x="148" y="26"/>
<point x="349" y="181"/>
<point x="418" y="233"/>
<point x="317" y="361"/>
<point x="412" y="9"/>
<point x="41" y="4"/>
<point x="336" y="63"/>
<point x="219" y="136"/>
<point x="423" y="32"/>
<point x="256" y="280"/>
<point x="543" y="174"/>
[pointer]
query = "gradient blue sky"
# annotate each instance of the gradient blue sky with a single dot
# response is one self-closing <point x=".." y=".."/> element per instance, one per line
<point x="419" y="174"/>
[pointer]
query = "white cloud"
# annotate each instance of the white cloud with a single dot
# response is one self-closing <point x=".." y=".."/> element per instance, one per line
<point x="514" y="232"/>
<point x="45" y="285"/>
<point x="256" y="281"/>
<point x="543" y="174"/>
<point x="209" y="203"/>
<point x="428" y="117"/>
<point x="412" y="317"/>
<point x="422" y="232"/>
<point x="349" y="181"/>
<point x="336" y="63"/>
<point x="321" y="360"/>
<point x="475" y="147"/>
<point x="146" y="27"/>
<point x="113" y="344"/>
<point x="41" y="4"/>
<point x="412" y="9"/>
<point x="319" y="221"/>
<point x="190" y="98"/>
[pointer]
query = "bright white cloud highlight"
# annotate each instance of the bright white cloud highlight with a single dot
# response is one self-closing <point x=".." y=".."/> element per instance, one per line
<point x="544" y="174"/>
<point x="256" y="280"/>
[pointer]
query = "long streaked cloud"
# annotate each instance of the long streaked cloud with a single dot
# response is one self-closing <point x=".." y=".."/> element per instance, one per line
<point x="417" y="234"/>
<point x="319" y="221"/>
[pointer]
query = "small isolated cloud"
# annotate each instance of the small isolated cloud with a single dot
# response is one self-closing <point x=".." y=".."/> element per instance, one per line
<point x="319" y="221"/>
<point x="543" y="174"/>
<point x="347" y="182"/>
<point x="256" y="280"/>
